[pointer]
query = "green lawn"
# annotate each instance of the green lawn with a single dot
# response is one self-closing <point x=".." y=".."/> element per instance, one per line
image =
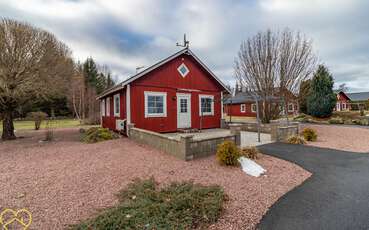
<point x="64" y="123"/>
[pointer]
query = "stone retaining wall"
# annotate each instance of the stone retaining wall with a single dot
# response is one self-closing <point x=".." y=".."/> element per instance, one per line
<point x="185" y="148"/>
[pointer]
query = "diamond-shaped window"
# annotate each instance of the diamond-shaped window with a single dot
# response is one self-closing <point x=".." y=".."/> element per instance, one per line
<point x="183" y="70"/>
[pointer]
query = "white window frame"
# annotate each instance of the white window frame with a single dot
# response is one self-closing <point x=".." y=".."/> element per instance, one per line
<point x="116" y="114"/>
<point x="252" y="108"/>
<point x="288" y="107"/>
<point x="183" y="74"/>
<point x="212" y="105"/>
<point x="243" y="108"/>
<point x="108" y="107"/>
<point x="150" y="93"/>
<point x="102" y="107"/>
<point x="343" y="106"/>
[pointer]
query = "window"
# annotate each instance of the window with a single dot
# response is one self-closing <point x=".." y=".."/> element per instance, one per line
<point x="290" y="107"/>
<point x="243" y="108"/>
<point x="102" y="107"/>
<point x="206" y="103"/>
<point x="343" y="106"/>
<point x="108" y="106"/>
<point x="183" y="104"/>
<point x="253" y="108"/>
<point x="117" y="105"/>
<point x="155" y="104"/>
<point x="183" y="70"/>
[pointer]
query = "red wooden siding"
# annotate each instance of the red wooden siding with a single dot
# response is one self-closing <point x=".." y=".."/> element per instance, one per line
<point x="235" y="110"/>
<point x="167" y="79"/>
<point x="109" y="120"/>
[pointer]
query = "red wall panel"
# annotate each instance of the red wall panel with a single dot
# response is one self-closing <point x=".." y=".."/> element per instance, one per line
<point x="109" y="120"/>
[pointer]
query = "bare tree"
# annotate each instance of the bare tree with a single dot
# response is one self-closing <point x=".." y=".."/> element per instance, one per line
<point x="33" y="64"/>
<point x="273" y="65"/>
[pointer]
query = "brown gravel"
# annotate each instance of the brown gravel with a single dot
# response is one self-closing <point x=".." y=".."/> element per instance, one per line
<point x="65" y="181"/>
<point x="353" y="139"/>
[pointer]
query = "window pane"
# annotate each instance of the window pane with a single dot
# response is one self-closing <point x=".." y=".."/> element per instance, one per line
<point x="155" y="104"/>
<point x="206" y="105"/>
<point x="183" y="105"/>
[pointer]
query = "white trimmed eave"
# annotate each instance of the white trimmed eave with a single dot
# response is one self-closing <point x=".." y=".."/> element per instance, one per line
<point x="160" y="63"/>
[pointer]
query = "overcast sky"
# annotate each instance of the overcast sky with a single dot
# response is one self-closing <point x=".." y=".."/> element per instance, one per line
<point x="129" y="33"/>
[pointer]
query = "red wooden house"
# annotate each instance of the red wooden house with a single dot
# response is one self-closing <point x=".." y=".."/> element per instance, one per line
<point x="178" y="92"/>
<point x="243" y="104"/>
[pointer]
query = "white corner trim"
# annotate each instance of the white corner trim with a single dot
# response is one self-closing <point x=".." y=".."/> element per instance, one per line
<point x="116" y="96"/>
<point x="151" y="93"/>
<point x="128" y="104"/>
<point x="212" y="105"/>
<point x="221" y="105"/>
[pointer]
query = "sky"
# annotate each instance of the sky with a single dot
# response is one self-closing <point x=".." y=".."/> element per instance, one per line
<point x="126" y="34"/>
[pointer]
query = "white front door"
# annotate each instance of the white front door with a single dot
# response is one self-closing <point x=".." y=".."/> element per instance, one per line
<point x="183" y="110"/>
<point x="338" y="106"/>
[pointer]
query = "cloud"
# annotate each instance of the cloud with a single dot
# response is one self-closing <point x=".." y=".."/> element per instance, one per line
<point x="131" y="33"/>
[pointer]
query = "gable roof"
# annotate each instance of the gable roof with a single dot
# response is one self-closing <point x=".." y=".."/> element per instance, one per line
<point x="157" y="65"/>
<point x="247" y="97"/>
<point x="362" y="96"/>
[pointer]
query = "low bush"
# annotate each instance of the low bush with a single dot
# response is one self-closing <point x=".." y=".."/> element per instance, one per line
<point x="228" y="153"/>
<point x="309" y="134"/>
<point x="301" y="118"/>
<point x="37" y="117"/>
<point x="95" y="134"/>
<point x="348" y="122"/>
<point x="142" y="205"/>
<point x="250" y="152"/>
<point x="336" y="120"/>
<point x="296" y="140"/>
<point x="364" y="122"/>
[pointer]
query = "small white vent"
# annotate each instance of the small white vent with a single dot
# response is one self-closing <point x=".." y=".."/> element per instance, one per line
<point x="183" y="70"/>
<point x="120" y="125"/>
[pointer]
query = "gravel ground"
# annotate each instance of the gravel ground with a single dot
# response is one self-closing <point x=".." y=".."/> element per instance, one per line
<point x="66" y="181"/>
<point x="352" y="139"/>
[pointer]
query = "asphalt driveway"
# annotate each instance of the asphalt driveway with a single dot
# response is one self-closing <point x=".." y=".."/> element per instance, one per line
<point x="335" y="197"/>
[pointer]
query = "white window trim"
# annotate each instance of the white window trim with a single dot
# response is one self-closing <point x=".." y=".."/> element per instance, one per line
<point x="102" y="107"/>
<point x="150" y="93"/>
<point x="212" y="105"/>
<point x="288" y="107"/>
<point x="252" y="108"/>
<point x="243" y="108"/>
<point x="188" y="70"/>
<point x="116" y="114"/>
<point x="108" y="107"/>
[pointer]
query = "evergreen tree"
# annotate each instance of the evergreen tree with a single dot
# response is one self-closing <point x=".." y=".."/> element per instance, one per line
<point x="303" y="95"/>
<point x="90" y="72"/>
<point x="321" y="99"/>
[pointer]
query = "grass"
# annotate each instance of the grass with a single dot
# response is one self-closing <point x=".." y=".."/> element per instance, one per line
<point x="142" y="205"/>
<point x="62" y="123"/>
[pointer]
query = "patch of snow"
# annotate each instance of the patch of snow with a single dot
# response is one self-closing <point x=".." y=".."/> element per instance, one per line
<point x="251" y="167"/>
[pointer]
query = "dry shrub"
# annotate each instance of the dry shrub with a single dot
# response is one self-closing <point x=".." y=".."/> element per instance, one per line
<point x="296" y="140"/>
<point x="95" y="134"/>
<point x="37" y="117"/>
<point x="309" y="134"/>
<point x="250" y="152"/>
<point x="228" y="153"/>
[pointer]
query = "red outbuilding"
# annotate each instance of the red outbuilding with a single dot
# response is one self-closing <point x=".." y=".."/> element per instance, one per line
<point x="179" y="92"/>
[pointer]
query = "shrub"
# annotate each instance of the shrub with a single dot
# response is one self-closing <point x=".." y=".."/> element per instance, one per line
<point x="250" y="152"/>
<point x="301" y="118"/>
<point x="228" y="153"/>
<point x="336" y="120"/>
<point x="309" y="134"/>
<point x="296" y="140"/>
<point x="142" y="205"/>
<point x="348" y="122"/>
<point x="95" y="134"/>
<point x="37" y="117"/>
<point x="364" y="122"/>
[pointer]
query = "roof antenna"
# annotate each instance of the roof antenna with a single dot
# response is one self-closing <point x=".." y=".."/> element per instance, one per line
<point x="185" y="44"/>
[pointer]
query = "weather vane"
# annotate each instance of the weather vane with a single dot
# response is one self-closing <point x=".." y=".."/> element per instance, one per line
<point x="185" y="42"/>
